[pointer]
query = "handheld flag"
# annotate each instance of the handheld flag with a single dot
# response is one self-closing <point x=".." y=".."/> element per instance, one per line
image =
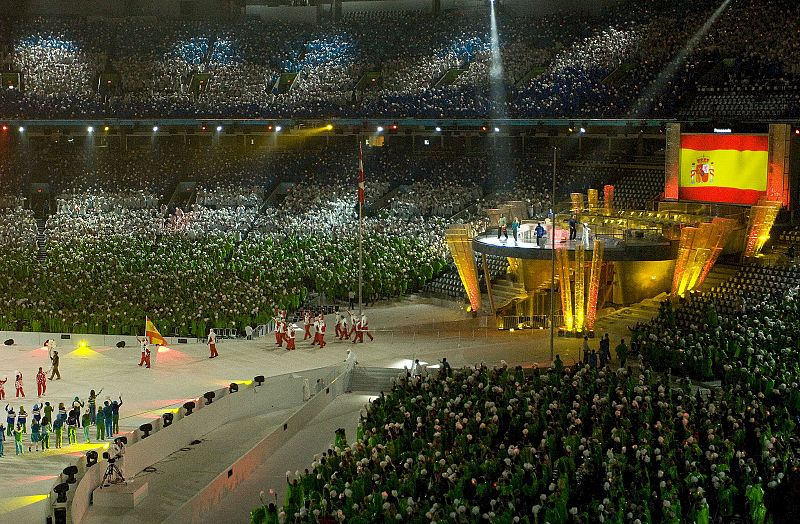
<point x="152" y="333"/>
<point x="361" y="180"/>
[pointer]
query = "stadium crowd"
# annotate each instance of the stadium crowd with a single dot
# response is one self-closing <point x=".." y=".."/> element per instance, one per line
<point x="580" y="445"/>
<point x="634" y="60"/>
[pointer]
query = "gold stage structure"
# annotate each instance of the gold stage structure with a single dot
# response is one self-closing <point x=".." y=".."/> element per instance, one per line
<point x="459" y="241"/>
<point x="762" y="217"/>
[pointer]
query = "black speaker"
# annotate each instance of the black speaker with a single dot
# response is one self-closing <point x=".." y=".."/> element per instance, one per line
<point x="9" y="342"/>
<point x="234" y="387"/>
<point x="189" y="407"/>
<point x="167" y="419"/>
<point x="121" y="344"/>
<point x="209" y="396"/>
<point x="146" y="429"/>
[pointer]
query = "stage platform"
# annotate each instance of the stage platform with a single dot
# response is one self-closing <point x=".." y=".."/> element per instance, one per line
<point x="616" y="249"/>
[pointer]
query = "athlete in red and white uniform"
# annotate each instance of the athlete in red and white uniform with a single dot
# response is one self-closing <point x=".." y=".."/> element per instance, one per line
<point x="290" y="337"/>
<point x="363" y="327"/>
<point x="307" y="325"/>
<point x="321" y="330"/>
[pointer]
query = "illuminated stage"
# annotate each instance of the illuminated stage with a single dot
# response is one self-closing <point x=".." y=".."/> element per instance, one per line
<point x="615" y="249"/>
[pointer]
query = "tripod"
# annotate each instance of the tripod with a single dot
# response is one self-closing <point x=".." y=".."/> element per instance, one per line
<point x="113" y="475"/>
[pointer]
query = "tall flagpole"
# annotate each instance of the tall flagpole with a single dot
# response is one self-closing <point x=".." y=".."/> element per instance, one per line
<point x="361" y="195"/>
<point x="553" y="259"/>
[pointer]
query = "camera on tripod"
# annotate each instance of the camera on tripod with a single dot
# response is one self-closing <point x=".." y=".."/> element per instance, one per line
<point x="113" y="474"/>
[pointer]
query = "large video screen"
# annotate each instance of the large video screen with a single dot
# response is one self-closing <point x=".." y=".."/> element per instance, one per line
<point x="724" y="168"/>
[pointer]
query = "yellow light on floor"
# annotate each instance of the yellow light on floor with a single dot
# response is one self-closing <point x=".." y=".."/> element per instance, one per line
<point x="511" y="330"/>
<point x="10" y="504"/>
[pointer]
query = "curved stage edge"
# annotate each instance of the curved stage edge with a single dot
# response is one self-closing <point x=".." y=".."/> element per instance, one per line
<point x="616" y="250"/>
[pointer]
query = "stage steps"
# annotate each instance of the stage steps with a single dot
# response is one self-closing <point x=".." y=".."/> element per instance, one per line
<point x="505" y="292"/>
<point x="373" y="380"/>
<point x="643" y="311"/>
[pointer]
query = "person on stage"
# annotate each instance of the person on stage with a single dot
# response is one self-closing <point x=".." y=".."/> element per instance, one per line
<point x="338" y="326"/>
<point x="501" y="227"/>
<point x="212" y="343"/>
<point x="515" y="228"/>
<point x="3" y="388"/>
<point x="539" y="231"/>
<point x="573" y="227"/>
<point x="586" y="233"/>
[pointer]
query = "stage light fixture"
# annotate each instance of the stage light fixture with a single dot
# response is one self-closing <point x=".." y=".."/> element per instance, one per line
<point x="278" y="129"/>
<point x="21" y="129"/>
<point x="394" y="127"/>
<point x="90" y="129"/>
<point x="106" y="128"/>
<point x="234" y="387"/>
<point x="438" y="129"/>
<point x="496" y="129"/>
<point x="219" y="128"/>
<point x="155" y="129"/>
<point x="582" y="130"/>
<point x="329" y="127"/>
<point x="380" y="129"/>
<point x="5" y="127"/>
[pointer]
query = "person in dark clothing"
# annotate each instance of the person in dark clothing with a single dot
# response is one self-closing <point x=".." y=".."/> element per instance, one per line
<point x="573" y="228"/>
<point x="539" y="234"/>
<point x="54" y="359"/>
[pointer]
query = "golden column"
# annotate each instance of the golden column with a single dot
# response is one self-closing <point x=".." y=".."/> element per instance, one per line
<point x="592" y="197"/>
<point x="762" y="217"/>
<point x="594" y="283"/>
<point x="459" y="241"/>
<point x="608" y="199"/>
<point x="580" y="281"/>
<point x="562" y="265"/>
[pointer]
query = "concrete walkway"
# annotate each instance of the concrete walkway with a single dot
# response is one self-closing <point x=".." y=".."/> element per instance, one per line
<point x="296" y="455"/>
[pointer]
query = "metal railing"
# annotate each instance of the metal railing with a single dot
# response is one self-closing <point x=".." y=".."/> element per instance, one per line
<point x="528" y="322"/>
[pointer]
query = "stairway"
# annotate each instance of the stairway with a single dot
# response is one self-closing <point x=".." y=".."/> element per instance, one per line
<point x="373" y="380"/>
<point x="41" y="240"/>
<point x="505" y="291"/>
<point x="644" y="311"/>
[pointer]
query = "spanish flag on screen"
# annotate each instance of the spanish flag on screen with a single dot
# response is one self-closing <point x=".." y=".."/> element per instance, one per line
<point x="724" y="168"/>
<point x="152" y="333"/>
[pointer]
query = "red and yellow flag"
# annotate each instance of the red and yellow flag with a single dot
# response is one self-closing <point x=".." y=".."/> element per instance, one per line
<point x="724" y="168"/>
<point x="152" y="333"/>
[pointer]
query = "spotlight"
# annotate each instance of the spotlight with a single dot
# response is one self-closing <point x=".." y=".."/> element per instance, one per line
<point x="380" y="129"/>
<point x="146" y="429"/>
<point x="438" y="129"/>
<point x="61" y="492"/>
<point x="219" y="128"/>
<point x="202" y="128"/>
<point x="496" y="129"/>
<point x="90" y="129"/>
<point x="21" y="129"/>
<point x="259" y="380"/>
<point x="70" y="472"/>
<point x="278" y="129"/>
<point x="209" y="396"/>
<point x="106" y="128"/>
<point x="82" y="344"/>
<point x="329" y="127"/>
<point x="167" y="417"/>
<point x="234" y="387"/>
<point x="582" y="130"/>
<point x="189" y="407"/>
<point x="91" y="458"/>
<point x="5" y="127"/>
<point x="155" y="129"/>
<point x="394" y="127"/>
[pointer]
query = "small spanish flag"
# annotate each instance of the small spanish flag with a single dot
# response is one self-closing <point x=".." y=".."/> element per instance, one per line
<point x="152" y="333"/>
